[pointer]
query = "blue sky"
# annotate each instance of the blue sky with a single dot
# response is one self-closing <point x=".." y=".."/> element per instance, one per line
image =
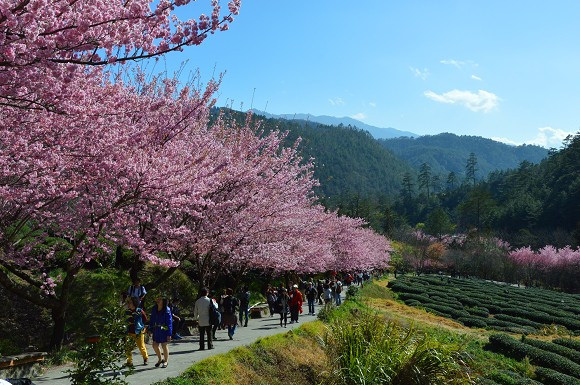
<point x="508" y="70"/>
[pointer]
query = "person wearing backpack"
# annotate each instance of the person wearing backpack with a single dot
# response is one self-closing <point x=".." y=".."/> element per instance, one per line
<point x="215" y="316"/>
<point x="136" y="290"/>
<point x="203" y="307"/>
<point x="136" y="319"/>
<point x="229" y="318"/>
<point x="244" y="306"/>
<point x="337" y="291"/>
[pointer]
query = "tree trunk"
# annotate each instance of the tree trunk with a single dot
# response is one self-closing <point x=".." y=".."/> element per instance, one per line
<point x="58" y="318"/>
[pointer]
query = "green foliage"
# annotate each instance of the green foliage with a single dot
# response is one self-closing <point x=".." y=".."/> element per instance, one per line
<point x="511" y="347"/>
<point x="177" y="285"/>
<point x="92" y="359"/>
<point x="472" y="322"/>
<point x="572" y="354"/>
<point x="518" y="320"/>
<point x="552" y="377"/>
<point x="93" y="291"/>
<point x="8" y="347"/>
<point x="447" y="153"/>
<point x="60" y="357"/>
<point x="568" y="342"/>
<point x="368" y="350"/>
<point x="513" y="309"/>
<point x="509" y="377"/>
<point x="352" y="291"/>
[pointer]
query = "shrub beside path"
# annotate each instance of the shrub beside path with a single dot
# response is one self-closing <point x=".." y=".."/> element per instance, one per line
<point x="185" y="352"/>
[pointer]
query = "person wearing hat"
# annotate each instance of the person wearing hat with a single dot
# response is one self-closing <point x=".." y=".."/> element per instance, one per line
<point x="295" y="304"/>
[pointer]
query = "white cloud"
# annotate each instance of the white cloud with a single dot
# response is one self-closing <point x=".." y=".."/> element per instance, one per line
<point x="420" y="74"/>
<point x="546" y="137"/>
<point x="481" y="101"/>
<point x="453" y="62"/>
<point x="505" y="140"/>
<point x="549" y="137"/>
<point x="336" y="101"/>
<point x="373" y="104"/>
<point x="475" y="77"/>
<point x="359" y="116"/>
<point x="459" y="63"/>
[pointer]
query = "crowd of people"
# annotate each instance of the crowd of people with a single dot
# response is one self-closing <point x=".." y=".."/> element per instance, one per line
<point x="164" y="322"/>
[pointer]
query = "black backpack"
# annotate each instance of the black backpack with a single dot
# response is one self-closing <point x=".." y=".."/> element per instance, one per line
<point x="230" y="303"/>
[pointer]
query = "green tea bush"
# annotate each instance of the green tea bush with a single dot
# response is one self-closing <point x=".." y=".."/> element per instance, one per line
<point x="572" y="354"/>
<point x="412" y="302"/>
<point x="508" y="377"/>
<point x="568" y="342"/>
<point x="472" y="322"/>
<point x="466" y="301"/>
<point x="516" y="349"/>
<point x="552" y="377"/>
<point x="478" y="311"/>
<point x="417" y="297"/>
<point x="518" y="320"/>
<point x="501" y="323"/>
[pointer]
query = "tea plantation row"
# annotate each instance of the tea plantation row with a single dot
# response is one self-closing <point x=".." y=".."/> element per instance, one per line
<point x="482" y="304"/>
<point x="557" y="361"/>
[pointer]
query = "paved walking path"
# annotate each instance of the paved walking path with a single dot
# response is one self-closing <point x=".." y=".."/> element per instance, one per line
<point x="183" y="353"/>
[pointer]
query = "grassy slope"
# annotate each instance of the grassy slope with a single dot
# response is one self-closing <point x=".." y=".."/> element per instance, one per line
<point x="297" y="357"/>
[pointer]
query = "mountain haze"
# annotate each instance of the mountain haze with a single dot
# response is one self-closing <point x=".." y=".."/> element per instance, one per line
<point x="376" y="132"/>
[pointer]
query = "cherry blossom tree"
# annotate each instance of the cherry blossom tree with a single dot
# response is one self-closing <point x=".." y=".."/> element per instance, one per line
<point x="44" y="44"/>
<point x="549" y="266"/>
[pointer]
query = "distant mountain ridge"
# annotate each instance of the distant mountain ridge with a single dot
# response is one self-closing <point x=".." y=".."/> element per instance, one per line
<point x="376" y="132"/>
<point x="448" y="152"/>
<point x="348" y="160"/>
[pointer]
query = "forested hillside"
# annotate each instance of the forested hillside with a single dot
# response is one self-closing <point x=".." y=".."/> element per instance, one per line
<point x="447" y="153"/>
<point x="347" y="160"/>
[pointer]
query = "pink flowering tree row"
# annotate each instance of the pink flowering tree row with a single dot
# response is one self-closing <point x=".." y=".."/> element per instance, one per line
<point x="549" y="266"/>
<point x="91" y="162"/>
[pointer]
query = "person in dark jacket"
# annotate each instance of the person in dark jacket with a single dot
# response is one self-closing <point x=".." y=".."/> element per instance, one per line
<point x="311" y="296"/>
<point x="244" y="306"/>
<point x="161" y="326"/>
<point x="229" y="319"/>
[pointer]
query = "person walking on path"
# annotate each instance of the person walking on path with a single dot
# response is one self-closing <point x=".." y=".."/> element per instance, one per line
<point x="327" y="294"/>
<point x="337" y="291"/>
<point x="178" y="320"/>
<point x="244" y="306"/>
<point x="230" y="304"/>
<point x="215" y="325"/>
<point x="311" y="295"/>
<point x="137" y="319"/>
<point x="161" y="325"/>
<point x="201" y="314"/>
<point x="295" y="304"/>
<point x="282" y="301"/>
<point x="320" y="290"/>
<point x="271" y="299"/>
<point x="136" y="290"/>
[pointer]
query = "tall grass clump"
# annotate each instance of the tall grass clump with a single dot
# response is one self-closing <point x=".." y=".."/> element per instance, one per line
<point x="368" y="350"/>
